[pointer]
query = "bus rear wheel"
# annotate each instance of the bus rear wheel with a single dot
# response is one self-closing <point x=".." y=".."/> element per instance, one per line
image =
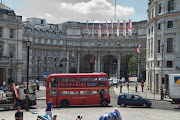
<point x="104" y="103"/>
<point x="64" y="103"/>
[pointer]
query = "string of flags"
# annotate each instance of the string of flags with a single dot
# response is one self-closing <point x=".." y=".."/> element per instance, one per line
<point x="129" y="27"/>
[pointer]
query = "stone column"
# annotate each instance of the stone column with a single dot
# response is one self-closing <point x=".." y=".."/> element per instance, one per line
<point x="78" y="62"/>
<point x="67" y="63"/>
<point x="118" y="66"/>
<point x="99" y="69"/>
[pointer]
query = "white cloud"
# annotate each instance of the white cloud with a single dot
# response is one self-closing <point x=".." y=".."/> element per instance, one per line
<point x="58" y="11"/>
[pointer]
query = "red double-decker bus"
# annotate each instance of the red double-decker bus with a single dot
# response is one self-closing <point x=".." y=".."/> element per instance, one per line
<point x="78" y="89"/>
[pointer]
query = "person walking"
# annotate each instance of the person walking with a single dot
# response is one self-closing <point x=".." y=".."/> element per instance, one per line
<point x="121" y="88"/>
<point x="49" y="108"/>
<point x="128" y="85"/>
<point x="142" y="85"/>
<point x="136" y="87"/>
<point x="19" y="114"/>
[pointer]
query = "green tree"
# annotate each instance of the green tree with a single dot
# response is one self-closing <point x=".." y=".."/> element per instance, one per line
<point x="132" y="66"/>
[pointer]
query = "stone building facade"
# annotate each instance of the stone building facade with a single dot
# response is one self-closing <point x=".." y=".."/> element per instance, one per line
<point x="163" y="34"/>
<point x="11" y="31"/>
<point x="68" y="47"/>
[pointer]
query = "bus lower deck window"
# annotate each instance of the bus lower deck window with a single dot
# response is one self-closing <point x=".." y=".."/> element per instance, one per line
<point x="64" y="93"/>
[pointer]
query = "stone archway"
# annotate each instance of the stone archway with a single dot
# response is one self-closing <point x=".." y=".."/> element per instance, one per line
<point x="125" y="65"/>
<point x="88" y="64"/>
<point x="109" y="65"/>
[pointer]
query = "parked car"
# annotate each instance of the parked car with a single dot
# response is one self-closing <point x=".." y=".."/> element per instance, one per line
<point x="134" y="100"/>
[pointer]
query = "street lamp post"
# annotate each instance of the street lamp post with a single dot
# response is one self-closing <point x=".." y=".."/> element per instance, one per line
<point x="28" y="44"/>
<point x="38" y="69"/>
<point x="162" y="78"/>
<point x="11" y="57"/>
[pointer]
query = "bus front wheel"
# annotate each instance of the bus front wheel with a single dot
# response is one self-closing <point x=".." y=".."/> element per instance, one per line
<point x="64" y="103"/>
<point x="104" y="103"/>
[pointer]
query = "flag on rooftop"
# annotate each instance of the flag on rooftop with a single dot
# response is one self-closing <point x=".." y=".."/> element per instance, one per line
<point x="130" y="28"/>
<point x="118" y="28"/>
<point x="124" y="28"/>
<point x="107" y="31"/>
<point x="138" y="48"/>
<point x="99" y="30"/>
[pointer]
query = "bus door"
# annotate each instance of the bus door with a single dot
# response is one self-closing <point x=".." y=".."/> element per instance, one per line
<point x="93" y="97"/>
<point x="53" y="91"/>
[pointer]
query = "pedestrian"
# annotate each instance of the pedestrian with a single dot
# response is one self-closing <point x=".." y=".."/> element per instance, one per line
<point x="162" y="93"/>
<point x="101" y="93"/>
<point x="142" y="85"/>
<point x="148" y="86"/>
<point x="121" y="88"/>
<point x="19" y="114"/>
<point x="117" y="111"/>
<point x="136" y="87"/>
<point x="49" y="108"/>
<point x="128" y="85"/>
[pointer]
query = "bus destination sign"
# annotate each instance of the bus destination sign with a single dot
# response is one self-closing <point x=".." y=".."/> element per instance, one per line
<point x="82" y="84"/>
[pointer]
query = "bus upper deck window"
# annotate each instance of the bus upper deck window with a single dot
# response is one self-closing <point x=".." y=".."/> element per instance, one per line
<point x="93" y="78"/>
<point x="74" y="79"/>
<point x="64" y="79"/>
<point x="102" y="79"/>
<point x="84" y="79"/>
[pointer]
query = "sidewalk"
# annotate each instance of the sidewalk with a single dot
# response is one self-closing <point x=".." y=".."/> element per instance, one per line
<point x="42" y="90"/>
<point x="145" y="94"/>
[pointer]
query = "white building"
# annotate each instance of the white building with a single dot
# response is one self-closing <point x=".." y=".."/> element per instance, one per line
<point x="11" y="28"/>
<point x="163" y="40"/>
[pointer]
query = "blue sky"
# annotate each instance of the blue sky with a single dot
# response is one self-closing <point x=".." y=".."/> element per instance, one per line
<point x="79" y="10"/>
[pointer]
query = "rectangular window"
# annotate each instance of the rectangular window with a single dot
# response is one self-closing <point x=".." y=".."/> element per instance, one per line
<point x="93" y="92"/>
<point x="74" y="79"/>
<point x="170" y="24"/>
<point x="102" y="79"/>
<point x="0" y="31"/>
<point x="128" y="97"/>
<point x="84" y="92"/>
<point x="11" y="33"/>
<point x="160" y="8"/>
<point x="149" y="31"/>
<point x="94" y="79"/>
<point x="152" y="29"/>
<point x="169" y="64"/>
<point x="64" y="93"/>
<point x="74" y="93"/>
<point x="159" y="26"/>
<point x="159" y="44"/>
<point x="54" y="82"/>
<point x="53" y="93"/>
<point x="64" y="79"/>
<point x="170" y="5"/>
<point x="158" y="64"/>
<point x="170" y="45"/>
<point x="83" y="79"/>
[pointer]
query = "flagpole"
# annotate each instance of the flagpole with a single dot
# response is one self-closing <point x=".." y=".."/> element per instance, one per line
<point x="115" y="12"/>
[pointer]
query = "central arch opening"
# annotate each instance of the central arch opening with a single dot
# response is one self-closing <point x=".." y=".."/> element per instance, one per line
<point x="88" y="64"/>
<point x="109" y="66"/>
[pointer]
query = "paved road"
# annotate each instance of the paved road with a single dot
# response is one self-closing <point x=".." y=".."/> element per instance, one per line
<point x="161" y="110"/>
